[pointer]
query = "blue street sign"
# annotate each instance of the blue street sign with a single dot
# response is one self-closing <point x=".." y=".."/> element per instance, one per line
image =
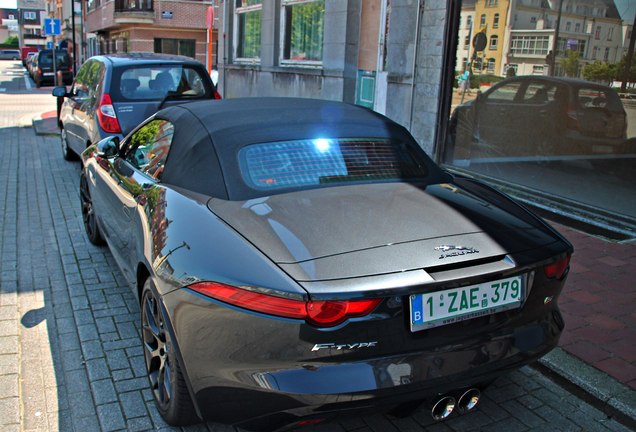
<point x="52" y="27"/>
<point x="49" y="45"/>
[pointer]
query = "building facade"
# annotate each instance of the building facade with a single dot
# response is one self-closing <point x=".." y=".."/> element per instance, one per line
<point x="164" y="26"/>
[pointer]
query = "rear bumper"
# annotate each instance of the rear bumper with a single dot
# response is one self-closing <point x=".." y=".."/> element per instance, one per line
<point x="261" y="373"/>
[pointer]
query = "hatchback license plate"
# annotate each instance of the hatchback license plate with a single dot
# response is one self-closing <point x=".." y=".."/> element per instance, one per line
<point x="458" y="304"/>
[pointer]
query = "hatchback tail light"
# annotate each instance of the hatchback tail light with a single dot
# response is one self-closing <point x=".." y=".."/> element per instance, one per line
<point x="106" y="115"/>
<point x="557" y="269"/>
<point x="321" y="313"/>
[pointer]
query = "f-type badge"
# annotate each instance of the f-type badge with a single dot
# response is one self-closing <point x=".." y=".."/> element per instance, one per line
<point x="449" y="251"/>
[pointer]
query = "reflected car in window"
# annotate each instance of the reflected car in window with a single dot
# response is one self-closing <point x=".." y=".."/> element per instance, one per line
<point x="295" y="259"/>
<point x="537" y="116"/>
<point x="113" y="93"/>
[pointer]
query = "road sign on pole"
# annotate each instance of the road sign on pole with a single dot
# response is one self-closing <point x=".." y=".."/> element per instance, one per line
<point x="52" y="27"/>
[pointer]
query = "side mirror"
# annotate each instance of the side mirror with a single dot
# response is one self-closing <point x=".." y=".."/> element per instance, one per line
<point x="108" y="147"/>
<point x="59" y="91"/>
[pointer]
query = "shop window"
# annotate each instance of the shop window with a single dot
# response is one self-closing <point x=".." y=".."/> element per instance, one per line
<point x="184" y="47"/>
<point x="303" y="30"/>
<point x="247" y="29"/>
<point x="565" y="139"/>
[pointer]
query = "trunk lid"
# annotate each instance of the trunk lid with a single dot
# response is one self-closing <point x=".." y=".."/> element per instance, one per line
<point x="376" y="229"/>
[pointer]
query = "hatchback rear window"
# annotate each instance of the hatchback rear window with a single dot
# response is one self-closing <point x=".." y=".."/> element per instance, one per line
<point x="599" y="98"/>
<point x="155" y="82"/>
<point x="61" y="59"/>
<point x="307" y="163"/>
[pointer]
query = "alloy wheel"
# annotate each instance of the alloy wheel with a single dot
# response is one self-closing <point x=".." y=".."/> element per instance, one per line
<point x="88" y="213"/>
<point x="156" y="343"/>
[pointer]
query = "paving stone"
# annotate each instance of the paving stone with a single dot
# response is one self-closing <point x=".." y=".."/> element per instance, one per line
<point x="97" y="369"/>
<point x="139" y="424"/>
<point x="92" y="349"/>
<point x="9" y="410"/>
<point x="131" y="384"/>
<point x="133" y="404"/>
<point x="104" y="391"/>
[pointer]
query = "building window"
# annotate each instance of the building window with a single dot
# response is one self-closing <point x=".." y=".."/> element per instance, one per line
<point x="466" y="41"/>
<point x="537" y="69"/>
<point x="529" y="45"/>
<point x="533" y="20"/>
<point x="469" y="21"/>
<point x="247" y="29"/>
<point x="597" y="33"/>
<point x="607" y="53"/>
<point x="495" y="21"/>
<point x="29" y="15"/>
<point x="594" y="53"/>
<point x="610" y="33"/>
<point x="491" y="65"/>
<point x="482" y="20"/>
<point x="492" y="3"/>
<point x="568" y="26"/>
<point x="185" y="47"/>
<point x="577" y="27"/>
<point x="494" y="40"/>
<point x="303" y="29"/>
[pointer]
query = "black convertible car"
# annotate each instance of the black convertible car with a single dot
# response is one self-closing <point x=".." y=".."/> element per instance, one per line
<point x="297" y="260"/>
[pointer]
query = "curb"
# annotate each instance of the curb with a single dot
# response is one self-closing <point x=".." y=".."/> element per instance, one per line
<point x="45" y="124"/>
<point x="601" y="390"/>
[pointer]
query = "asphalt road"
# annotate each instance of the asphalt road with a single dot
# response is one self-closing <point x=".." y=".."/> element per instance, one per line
<point x="70" y="356"/>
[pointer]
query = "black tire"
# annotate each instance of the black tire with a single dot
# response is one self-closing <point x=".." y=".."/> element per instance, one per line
<point x="88" y="213"/>
<point x="162" y="364"/>
<point x="67" y="153"/>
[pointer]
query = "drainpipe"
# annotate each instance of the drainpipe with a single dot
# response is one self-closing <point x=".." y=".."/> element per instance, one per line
<point x="379" y="65"/>
<point x="417" y="42"/>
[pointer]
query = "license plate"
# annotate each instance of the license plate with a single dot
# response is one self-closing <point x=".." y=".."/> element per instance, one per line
<point x="458" y="304"/>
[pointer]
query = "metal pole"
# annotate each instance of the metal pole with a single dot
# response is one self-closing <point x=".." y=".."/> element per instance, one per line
<point x="555" y="41"/>
<point x="73" y="38"/>
<point x="629" y="57"/>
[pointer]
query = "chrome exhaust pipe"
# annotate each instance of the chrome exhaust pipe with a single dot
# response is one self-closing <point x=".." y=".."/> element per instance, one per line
<point x="443" y="408"/>
<point x="468" y="400"/>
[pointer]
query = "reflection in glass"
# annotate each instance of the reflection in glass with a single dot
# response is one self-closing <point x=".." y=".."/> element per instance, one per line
<point x="542" y="107"/>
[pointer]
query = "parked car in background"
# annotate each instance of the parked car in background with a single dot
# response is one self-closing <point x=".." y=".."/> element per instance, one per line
<point x="28" y="62"/>
<point x="9" y="54"/>
<point x="299" y="259"/>
<point x="43" y="71"/>
<point x="112" y="94"/>
<point x="538" y="116"/>
<point x="25" y="51"/>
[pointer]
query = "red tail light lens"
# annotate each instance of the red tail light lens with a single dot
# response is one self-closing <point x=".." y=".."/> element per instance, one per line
<point x="323" y="313"/>
<point x="106" y="115"/>
<point x="557" y="269"/>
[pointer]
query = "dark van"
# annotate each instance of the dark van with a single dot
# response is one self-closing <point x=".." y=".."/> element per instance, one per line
<point x="113" y="93"/>
<point x="43" y="67"/>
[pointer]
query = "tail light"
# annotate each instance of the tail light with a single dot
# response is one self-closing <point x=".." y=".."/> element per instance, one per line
<point x="106" y="115"/>
<point x="216" y="95"/>
<point x="322" y="313"/>
<point x="557" y="269"/>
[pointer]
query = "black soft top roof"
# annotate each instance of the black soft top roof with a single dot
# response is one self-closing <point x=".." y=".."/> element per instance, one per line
<point x="209" y="135"/>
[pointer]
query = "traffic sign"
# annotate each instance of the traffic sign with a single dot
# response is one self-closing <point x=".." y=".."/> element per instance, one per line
<point x="52" y="27"/>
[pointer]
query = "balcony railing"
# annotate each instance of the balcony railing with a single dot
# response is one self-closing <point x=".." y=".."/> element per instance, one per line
<point x="133" y="6"/>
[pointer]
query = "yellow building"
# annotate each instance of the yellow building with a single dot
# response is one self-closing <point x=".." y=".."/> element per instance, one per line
<point x="491" y="16"/>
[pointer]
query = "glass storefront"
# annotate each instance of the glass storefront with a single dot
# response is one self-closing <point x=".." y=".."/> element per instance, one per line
<point x="557" y="124"/>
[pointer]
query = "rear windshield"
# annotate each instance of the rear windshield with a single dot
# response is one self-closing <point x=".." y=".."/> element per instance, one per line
<point x="593" y="97"/>
<point x="307" y="163"/>
<point x="61" y="59"/>
<point x="149" y="82"/>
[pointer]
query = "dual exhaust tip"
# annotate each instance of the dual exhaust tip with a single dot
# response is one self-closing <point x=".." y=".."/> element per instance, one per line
<point x="446" y="405"/>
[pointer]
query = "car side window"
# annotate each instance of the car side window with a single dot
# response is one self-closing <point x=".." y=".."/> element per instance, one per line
<point x="149" y="147"/>
<point x="539" y="94"/>
<point x="80" y="89"/>
<point x="504" y="94"/>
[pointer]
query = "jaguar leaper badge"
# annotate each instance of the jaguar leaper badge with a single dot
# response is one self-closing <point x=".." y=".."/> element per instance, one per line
<point x="449" y="251"/>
